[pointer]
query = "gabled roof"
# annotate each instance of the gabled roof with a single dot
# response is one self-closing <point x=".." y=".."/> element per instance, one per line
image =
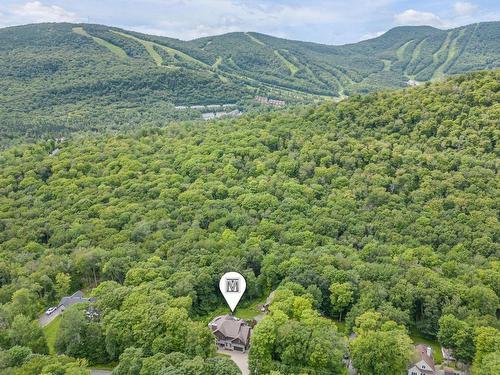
<point x="423" y="354"/>
<point x="76" y="297"/>
<point x="231" y="328"/>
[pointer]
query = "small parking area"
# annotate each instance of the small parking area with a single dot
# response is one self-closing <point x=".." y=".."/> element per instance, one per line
<point x="46" y="319"/>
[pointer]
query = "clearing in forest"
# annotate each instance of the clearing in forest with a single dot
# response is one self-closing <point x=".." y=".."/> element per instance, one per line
<point x="149" y="46"/>
<point x="292" y="67"/>
<point x="415" y="54"/>
<point x="255" y="39"/>
<point x="451" y="56"/>
<point x="217" y="62"/>
<point x="437" y="56"/>
<point x="400" y="53"/>
<point x="114" y="49"/>
<point x="387" y="65"/>
<point x="50" y="332"/>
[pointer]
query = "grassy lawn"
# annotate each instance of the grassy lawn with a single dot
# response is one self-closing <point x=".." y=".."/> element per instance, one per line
<point x="247" y="310"/>
<point x="341" y="327"/>
<point x="50" y="332"/>
<point x="436" y="348"/>
<point x="105" y="366"/>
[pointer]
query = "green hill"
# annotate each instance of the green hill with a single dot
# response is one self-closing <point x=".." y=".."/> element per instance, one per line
<point x="392" y="195"/>
<point x="56" y="78"/>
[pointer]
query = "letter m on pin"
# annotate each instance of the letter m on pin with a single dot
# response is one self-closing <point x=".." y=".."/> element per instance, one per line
<point x="233" y="285"/>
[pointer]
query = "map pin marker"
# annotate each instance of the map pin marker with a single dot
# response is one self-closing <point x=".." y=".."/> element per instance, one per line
<point x="232" y="286"/>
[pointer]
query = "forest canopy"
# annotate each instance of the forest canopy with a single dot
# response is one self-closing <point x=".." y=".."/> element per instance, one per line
<point x="379" y="208"/>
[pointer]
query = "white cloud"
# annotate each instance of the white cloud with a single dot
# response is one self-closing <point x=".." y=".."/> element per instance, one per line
<point x="460" y="13"/>
<point x="36" y="11"/>
<point x="372" y="35"/>
<point x="199" y="18"/>
<point x="414" y="17"/>
<point x="464" y="8"/>
<point x="327" y="21"/>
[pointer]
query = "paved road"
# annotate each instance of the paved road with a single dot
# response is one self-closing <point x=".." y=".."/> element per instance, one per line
<point x="241" y="359"/>
<point x="46" y="319"/>
<point x="100" y="372"/>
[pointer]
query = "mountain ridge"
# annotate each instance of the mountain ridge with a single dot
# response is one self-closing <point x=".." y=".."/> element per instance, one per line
<point x="392" y="29"/>
<point x="84" y="76"/>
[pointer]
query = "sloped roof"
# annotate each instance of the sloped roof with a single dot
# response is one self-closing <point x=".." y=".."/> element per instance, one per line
<point x="422" y="352"/>
<point x="77" y="294"/>
<point x="76" y="297"/>
<point x="231" y="328"/>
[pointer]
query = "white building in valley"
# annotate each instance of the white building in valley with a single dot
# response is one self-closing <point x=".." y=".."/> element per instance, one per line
<point x="425" y="362"/>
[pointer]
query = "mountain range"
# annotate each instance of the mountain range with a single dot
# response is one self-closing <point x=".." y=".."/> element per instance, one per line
<point x="79" y="76"/>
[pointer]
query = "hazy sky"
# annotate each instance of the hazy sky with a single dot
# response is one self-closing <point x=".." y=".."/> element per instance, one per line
<point x="325" y="21"/>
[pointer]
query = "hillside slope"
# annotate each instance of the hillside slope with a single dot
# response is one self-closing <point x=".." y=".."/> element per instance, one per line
<point x="60" y="77"/>
<point x="393" y="193"/>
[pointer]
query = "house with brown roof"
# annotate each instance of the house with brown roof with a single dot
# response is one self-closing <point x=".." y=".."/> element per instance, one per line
<point x="231" y="333"/>
<point x="424" y="364"/>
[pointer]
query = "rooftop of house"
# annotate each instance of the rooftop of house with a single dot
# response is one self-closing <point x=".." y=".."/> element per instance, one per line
<point x="425" y="354"/>
<point x="76" y="297"/>
<point x="231" y="327"/>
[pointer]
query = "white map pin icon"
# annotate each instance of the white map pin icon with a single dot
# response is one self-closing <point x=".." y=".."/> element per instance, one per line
<point x="232" y="286"/>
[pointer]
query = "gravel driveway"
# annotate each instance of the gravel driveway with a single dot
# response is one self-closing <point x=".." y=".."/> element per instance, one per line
<point x="241" y="359"/>
<point x="46" y="319"/>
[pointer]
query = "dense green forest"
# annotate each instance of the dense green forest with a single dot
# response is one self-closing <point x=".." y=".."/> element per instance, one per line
<point x="60" y="78"/>
<point x="380" y="211"/>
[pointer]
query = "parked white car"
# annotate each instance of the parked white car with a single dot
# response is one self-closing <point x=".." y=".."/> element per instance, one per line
<point x="50" y="310"/>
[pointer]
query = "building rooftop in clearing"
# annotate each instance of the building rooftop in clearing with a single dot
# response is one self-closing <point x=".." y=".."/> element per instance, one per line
<point x="76" y="297"/>
<point x="424" y="362"/>
<point x="425" y="355"/>
<point x="230" y="328"/>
